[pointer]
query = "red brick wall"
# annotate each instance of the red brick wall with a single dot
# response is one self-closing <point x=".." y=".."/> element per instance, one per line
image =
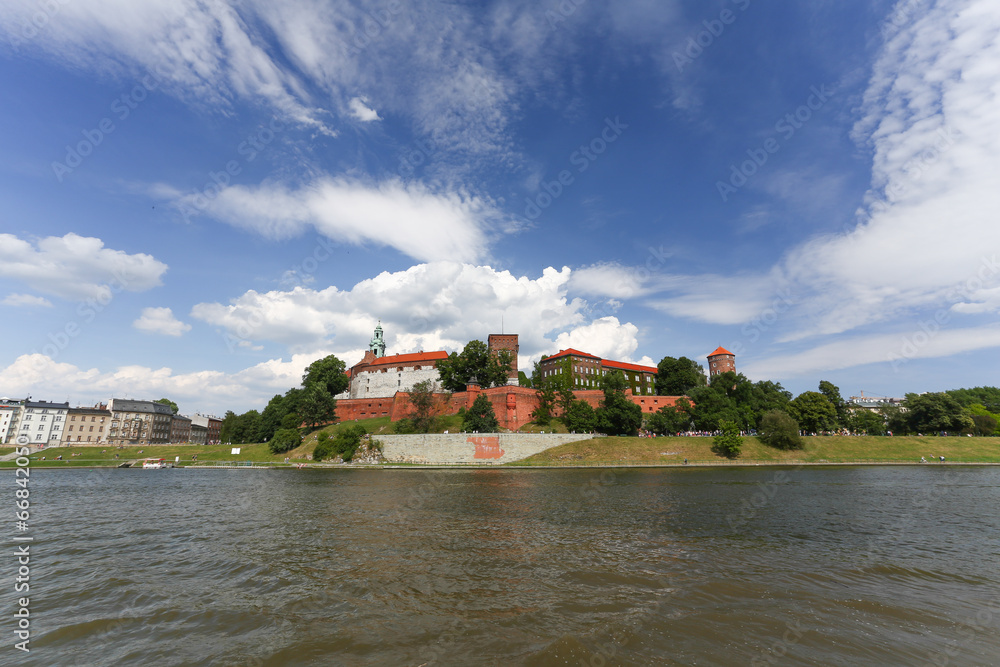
<point x="513" y="405"/>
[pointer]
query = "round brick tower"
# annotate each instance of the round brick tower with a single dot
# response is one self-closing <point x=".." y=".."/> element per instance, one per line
<point x="721" y="361"/>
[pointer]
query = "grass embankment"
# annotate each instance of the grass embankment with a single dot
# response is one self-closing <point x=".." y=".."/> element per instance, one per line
<point x="818" y="449"/>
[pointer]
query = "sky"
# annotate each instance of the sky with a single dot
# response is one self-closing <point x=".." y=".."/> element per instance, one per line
<point x="198" y="199"/>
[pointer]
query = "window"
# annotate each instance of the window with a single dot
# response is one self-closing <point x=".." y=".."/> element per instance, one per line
<point x="71" y="427"/>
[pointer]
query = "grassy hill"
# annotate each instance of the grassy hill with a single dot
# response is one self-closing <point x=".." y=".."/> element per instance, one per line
<point x="818" y="449"/>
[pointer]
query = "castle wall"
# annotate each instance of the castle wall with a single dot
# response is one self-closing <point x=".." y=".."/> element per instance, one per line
<point x="374" y="383"/>
<point x="469" y="448"/>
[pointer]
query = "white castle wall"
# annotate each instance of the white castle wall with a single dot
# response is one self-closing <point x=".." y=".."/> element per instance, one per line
<point x="373" y="383"/>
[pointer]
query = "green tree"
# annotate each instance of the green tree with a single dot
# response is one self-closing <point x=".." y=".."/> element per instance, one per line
<point x="671" y="419"/>
<point x="676" y="377"/>
<point x="167" y="401"/>
<point x="347" y="440"/>
<point x="617" y="415"/>
<point x="480" y="417"/>
<point x="868" y="422"/>
<point x="779" y="430"/>
<point x="317" y="405"/>
<point x="712" y="405"/>
<point x="228" y="427"/>
<point x="330" y="372"/>
<point x="323" y="448"/>
<point x="580" y="417"/>
<point x="936" y="412"/>
<point x="983" y="425"/>
<point x="988" y="397"/>
<point x="475" y="360"/>
<point x="284" y="440"/>
<point x="813" y="411"/>
<point x="832" y="393"/>
<point x="422" y="398"/>
<point x="523" y="380"/>
<point x="728" y="442"/>
<point x="246" y="428"/>
<point x="546" y="391"/>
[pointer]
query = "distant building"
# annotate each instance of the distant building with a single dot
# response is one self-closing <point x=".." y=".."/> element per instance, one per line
<point x="139" y="422"/>
<point x="42" y="422"/>
<point x="586" y="370"/>
<point x="721" y="361"/>
<point x="205" y="429"/>
<point x="87" y="426"/>
<point x="10" y="415"/>
<point x="180" y="429"/>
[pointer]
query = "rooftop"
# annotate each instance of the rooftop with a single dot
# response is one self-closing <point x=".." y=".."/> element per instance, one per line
<point x="720" y="351"/>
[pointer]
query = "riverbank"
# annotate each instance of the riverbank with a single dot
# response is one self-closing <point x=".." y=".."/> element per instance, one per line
<point x="598" y="452"/>
<point x="619" y="451"/>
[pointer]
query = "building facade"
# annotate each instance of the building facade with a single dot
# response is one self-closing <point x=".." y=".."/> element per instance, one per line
<point x="721" y="361"/>
<point x="180" y="429"/>
<point x="10" y="415"/>
<point x="586" y="370"/>
<point x="42" y="423"/>
<point x="87" y="426"/>
<point x="205" y="429"/>
<point x="509" y="342"/>
<point x="139" y="422"/>
<point x="382" y="377"/>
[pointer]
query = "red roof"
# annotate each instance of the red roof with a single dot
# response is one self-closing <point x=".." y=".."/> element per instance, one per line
<point x="628" y="367"/>
<point x="571" y="351"/>
<point x="407" y="359"/>
<point x="719" y="351"/>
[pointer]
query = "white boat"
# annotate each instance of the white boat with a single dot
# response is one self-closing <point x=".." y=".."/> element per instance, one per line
<point x="154" y="463"/>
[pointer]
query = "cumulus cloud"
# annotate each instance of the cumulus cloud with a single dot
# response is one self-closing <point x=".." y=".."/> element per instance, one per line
<point x="439" y="305"/>
<point x="19" y="300"/>
<point x="361" y="111"/>
<point x="160" y="321"/>
<point x="77" y="267"/>
<point x="409" y="217"/>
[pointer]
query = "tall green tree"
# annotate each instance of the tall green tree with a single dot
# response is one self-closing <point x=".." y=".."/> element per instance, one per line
<point x="317" y="405"/>
<point x="329" y="372"/>
<point x="832" y="393"/>
<point x="580" y="417"/>
<point x="481" y="417"/>
<point x="813" y="411"/>
<point x="546" y="392"/>
<point x="617" y="415"/>
<point x="676" y="377"/>
<point x="936" y="412"/>
<point x="868" y="422"/>
<point x="988" y="397"/>
<point x="422" y="400"/>
<point x="475" y="360"/>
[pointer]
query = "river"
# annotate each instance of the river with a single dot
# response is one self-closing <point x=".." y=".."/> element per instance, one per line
<point x="730" y="566"/>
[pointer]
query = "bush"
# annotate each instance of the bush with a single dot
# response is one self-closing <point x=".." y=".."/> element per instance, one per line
<point x="729" y="442"/>
<point x="324" y="447"/>
<point x="346" y="442"/>
<point x="779" y="430"/>
<point x="580" y="417"/>
<point x="284" y="439"/>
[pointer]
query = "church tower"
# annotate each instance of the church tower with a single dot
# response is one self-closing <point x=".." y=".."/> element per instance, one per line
<point x="377" y="343"/>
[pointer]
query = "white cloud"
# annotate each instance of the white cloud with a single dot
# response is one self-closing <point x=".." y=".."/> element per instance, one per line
<point x="611" y="280"/>
<point x="18" y="300"/>
<point x="361" y="111"/>
<point x="160" y="321"/>
<point x="77" y="267"/>
<point x="409" y="217"/>
<point x="931" y="116"/>
<point x="606" y="338"/>
<point x="200" y="391"/>
<point x="208" y="54"/>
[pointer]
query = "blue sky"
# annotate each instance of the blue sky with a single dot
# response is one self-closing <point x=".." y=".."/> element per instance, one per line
<point x="199" y="199"/>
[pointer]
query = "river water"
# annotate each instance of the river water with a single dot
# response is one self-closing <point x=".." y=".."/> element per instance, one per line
<point x="832" y="566"/>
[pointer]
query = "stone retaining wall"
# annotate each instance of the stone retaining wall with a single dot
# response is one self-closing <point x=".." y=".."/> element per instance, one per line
<point x="470" y="448"/>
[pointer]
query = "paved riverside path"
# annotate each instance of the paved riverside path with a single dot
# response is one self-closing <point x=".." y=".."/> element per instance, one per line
<point x="470" y="448"/>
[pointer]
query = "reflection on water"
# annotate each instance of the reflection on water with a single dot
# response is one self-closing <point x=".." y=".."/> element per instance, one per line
<point x="516" y="567"/>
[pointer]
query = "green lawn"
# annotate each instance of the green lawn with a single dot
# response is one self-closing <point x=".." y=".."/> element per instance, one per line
<point x="818" y="449"/>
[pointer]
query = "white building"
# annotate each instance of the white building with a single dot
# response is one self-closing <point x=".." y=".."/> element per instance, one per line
<point x="43" y="422"/>
<point x="10" y="414"/>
